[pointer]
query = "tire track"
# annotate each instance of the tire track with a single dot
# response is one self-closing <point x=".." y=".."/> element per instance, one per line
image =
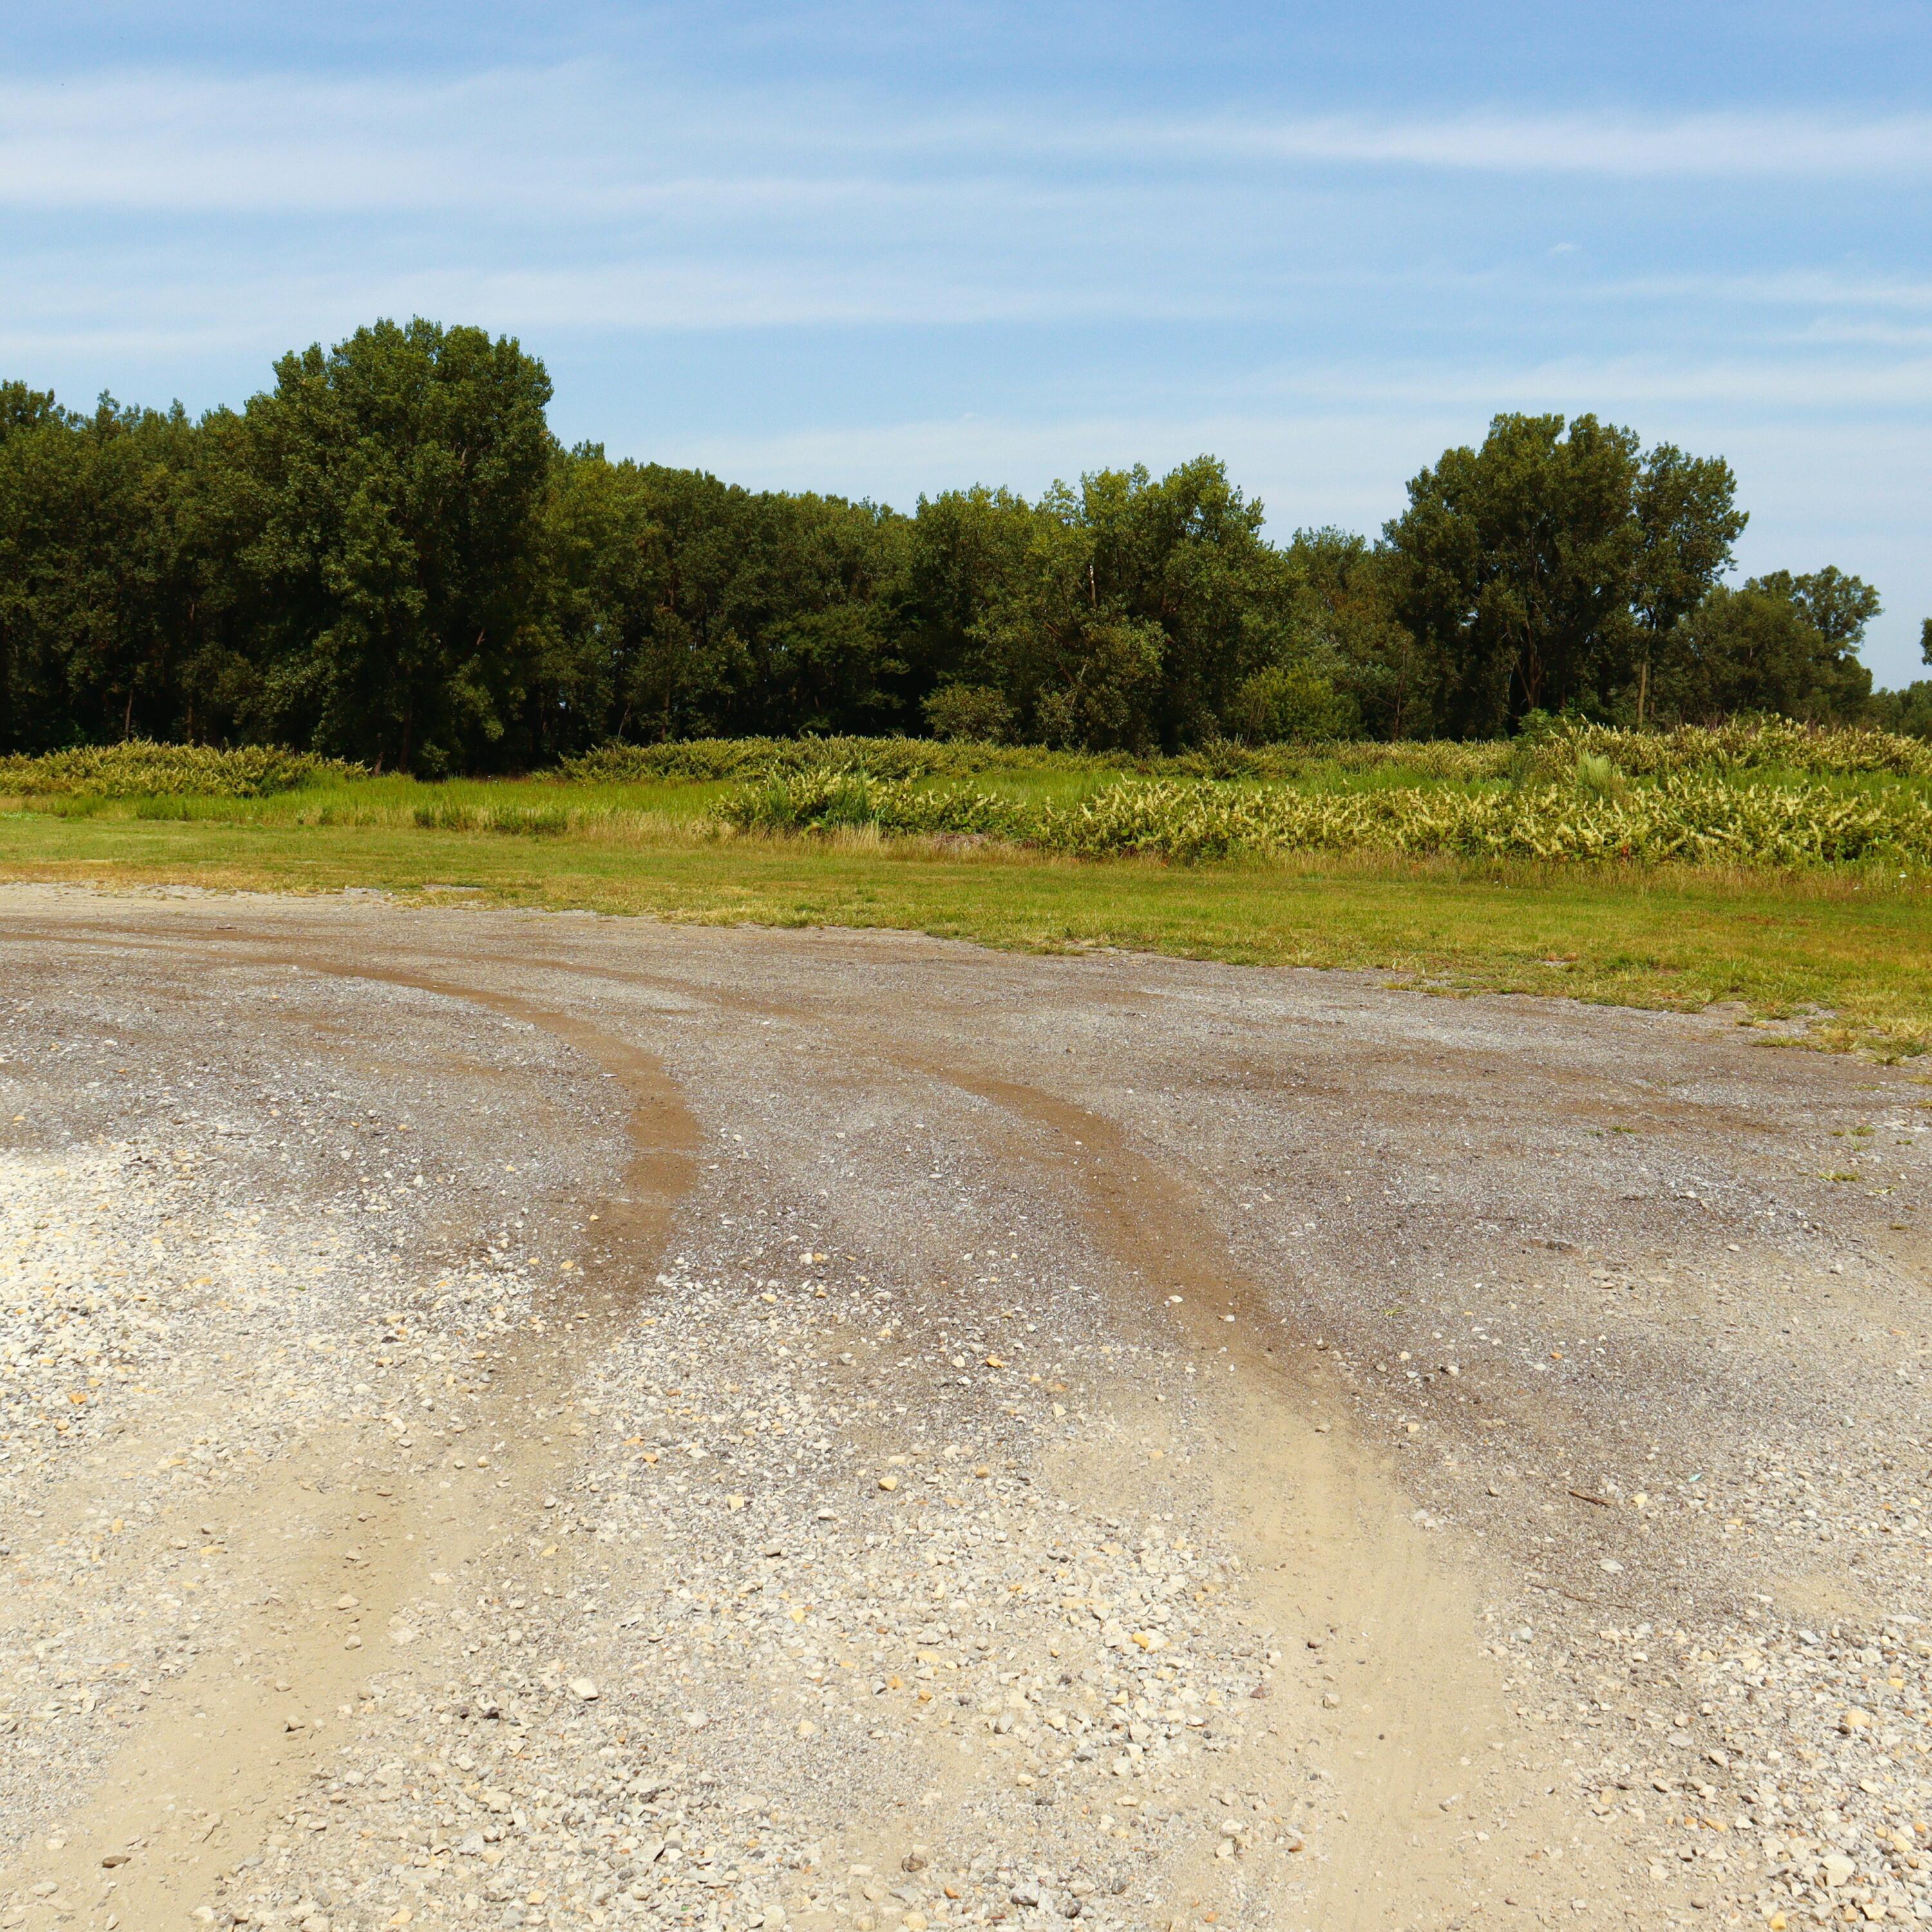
<point x="210" y="1762"/>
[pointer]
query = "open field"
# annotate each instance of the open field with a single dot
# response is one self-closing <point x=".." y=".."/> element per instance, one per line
<point x="1846" y="949"/>
<point x="511" y="1419"/>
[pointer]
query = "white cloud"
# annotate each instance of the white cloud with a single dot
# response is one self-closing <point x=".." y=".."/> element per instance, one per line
<point x="1755" y="146"/>
<point x="580" y="145"/>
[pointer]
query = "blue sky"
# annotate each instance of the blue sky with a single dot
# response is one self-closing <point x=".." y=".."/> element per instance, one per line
<point x="885" y="249"/>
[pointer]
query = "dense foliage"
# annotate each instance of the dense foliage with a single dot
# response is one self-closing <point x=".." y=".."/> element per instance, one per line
<point x="386" y="557"/>
<point x="1756" y="744"/>
<point x="135" y="768"/>
<point x="1589" y="812"/>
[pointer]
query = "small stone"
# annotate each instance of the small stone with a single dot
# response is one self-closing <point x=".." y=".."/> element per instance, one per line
<point x="584" y="1689"/>
<point x="889" y="1482"/>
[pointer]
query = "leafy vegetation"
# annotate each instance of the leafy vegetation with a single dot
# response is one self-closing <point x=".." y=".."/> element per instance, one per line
<point x="1771" y="795"/>
<point x="137" y="769"/>
<point x="1694" y="820"/>
<point x="1551" y="746"/>
<point x="385" y="557"/>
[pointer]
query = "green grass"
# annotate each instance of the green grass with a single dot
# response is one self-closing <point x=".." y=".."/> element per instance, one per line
<point x="1850" y="946"/>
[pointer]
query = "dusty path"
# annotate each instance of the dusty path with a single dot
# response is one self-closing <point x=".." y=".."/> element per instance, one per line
<point x="533" y="1420"/>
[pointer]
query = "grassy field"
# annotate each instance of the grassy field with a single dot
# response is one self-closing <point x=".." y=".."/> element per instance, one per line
<point x="1847" y="948"/>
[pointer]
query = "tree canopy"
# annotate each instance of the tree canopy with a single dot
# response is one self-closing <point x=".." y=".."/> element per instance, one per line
<point x="387" y="556"/>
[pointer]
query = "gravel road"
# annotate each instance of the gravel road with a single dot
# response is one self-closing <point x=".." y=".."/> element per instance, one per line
<point x="545" y="1420"/>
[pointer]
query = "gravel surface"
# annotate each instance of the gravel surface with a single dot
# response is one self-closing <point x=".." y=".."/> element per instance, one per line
<point x="524" y="1421"/>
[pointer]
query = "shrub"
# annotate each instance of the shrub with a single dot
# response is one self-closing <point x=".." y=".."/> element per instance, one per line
<point x="974" y="713"/>
<point x="141" y="769"/>
<point x="1286" y="703"/>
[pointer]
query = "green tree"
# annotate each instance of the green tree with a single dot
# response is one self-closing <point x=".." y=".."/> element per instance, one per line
<point x="1910" y="710"/>
<point x="118" y="576"/>
<point x="1539" y="572"/>
<point x="1130" y="613"/>
<point x="1077" y="670"/>
<point x="398" y="479"/>
<point x="1688" y="524"/>
<point x="1779" y="643"/>
<point x="1345" y="619"/>
<point x="685" y="605"/>
<point x="965" y="551"/>
<point x="21" y="408"/>
<point x="1517" y="563"/>
<point x="1837" y="605"/>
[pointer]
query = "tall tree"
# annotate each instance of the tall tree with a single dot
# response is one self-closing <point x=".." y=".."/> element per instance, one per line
<point x="1687" y="523"/>
<point x="116" y="573"/>
<point x="1345" y="614"/>
<point x="398" y="479"/>
<point x="1136" y="611"/>
<point x="1517" y="565"/>
<point x="1779" y="643"/>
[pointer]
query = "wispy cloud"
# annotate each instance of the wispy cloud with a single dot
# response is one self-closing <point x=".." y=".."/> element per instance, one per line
<point x="577" y="146"/>
<point x="1752" y="146"/>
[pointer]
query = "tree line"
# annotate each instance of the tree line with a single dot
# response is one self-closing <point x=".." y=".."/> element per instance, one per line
<point x="387" y="556"/>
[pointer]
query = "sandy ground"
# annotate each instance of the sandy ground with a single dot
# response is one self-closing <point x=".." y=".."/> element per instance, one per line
<point x="539" y="1420"/>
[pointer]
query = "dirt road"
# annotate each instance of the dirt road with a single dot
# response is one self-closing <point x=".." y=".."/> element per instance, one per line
<point x="542" y="1420"/>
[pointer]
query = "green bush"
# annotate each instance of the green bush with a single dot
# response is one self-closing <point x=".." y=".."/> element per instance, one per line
<point x="1292" y="703"/>
<point x="971" y="713"/>
<point x="1546" y="754"/>
<point x="140" y="769"/>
